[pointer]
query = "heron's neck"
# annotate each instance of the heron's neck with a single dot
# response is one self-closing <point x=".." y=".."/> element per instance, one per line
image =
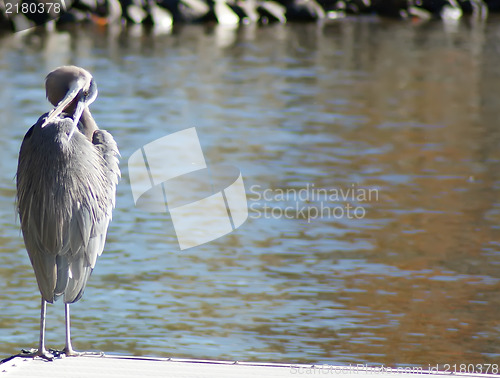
<point x="87" y="124"/>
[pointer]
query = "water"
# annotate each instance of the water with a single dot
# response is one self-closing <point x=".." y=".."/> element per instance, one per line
<point x="407" y="110"/>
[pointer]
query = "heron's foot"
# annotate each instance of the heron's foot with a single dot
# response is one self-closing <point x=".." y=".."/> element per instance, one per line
<point x="48" y="355"/>
<point x="70" y="352"/>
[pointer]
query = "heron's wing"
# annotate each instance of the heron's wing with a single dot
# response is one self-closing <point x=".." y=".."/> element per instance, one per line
<point x="37" y="208"/>
<point x="107" y="148"/>
<point x="42" y="259"/>
<point x="88" y="228"/>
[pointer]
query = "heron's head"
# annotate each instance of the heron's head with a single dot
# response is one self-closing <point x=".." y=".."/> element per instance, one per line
<point x="70" y="89"/>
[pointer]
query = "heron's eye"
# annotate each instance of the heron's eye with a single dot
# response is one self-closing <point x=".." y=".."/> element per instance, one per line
<point x="86" y="93"/>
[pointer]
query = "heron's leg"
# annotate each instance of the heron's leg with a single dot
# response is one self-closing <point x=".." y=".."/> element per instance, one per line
<point x="68" y="349"/>
<point x="42" y="352"/>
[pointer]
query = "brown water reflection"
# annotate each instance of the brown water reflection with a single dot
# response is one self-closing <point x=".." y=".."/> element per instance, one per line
<point x="443" y="229"/>
<point x="411" y="110"/>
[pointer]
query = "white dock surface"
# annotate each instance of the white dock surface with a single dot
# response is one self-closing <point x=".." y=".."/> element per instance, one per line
<point x="138" y="367"/>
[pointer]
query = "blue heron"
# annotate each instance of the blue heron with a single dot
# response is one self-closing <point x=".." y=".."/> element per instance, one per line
<point x="66" y="183"/>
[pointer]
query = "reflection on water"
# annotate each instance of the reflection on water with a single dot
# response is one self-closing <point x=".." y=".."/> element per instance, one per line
<point x="408" y="110"/>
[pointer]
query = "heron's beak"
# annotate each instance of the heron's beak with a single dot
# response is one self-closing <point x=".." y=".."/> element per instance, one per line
<point x="80" y="106"/>
<point x="65" y="102"/>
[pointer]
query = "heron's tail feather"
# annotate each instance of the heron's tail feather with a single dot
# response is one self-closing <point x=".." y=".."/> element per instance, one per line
<point x="79" y="273"/>
<point x="62" y="275"/>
